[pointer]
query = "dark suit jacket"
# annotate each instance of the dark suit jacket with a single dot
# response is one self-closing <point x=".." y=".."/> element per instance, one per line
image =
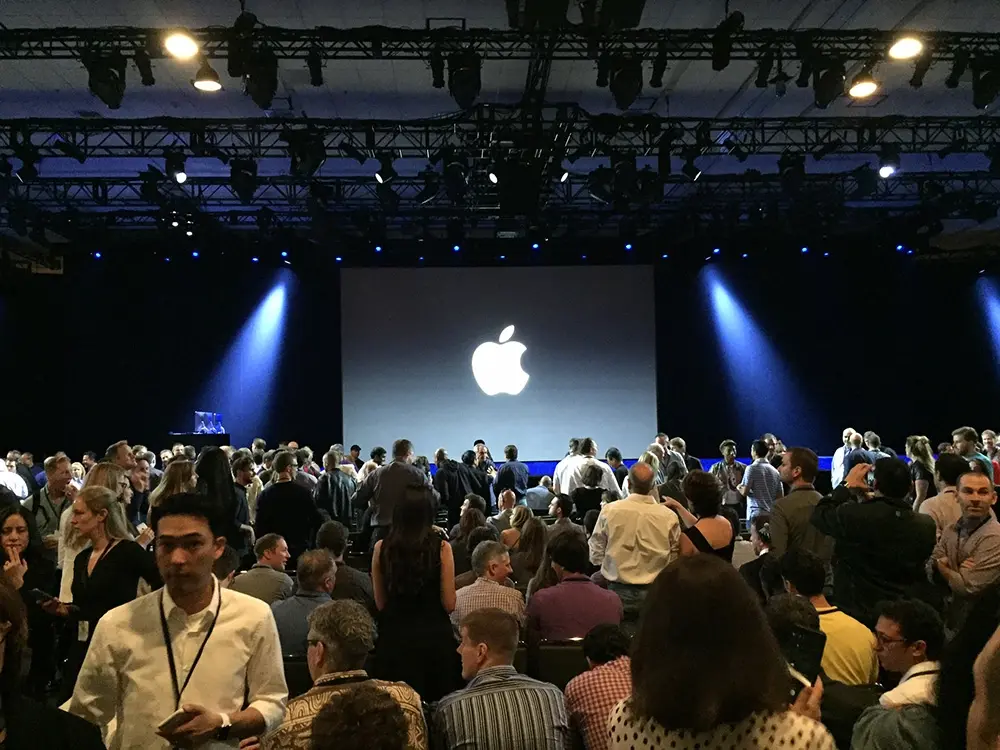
<point x="31" y="726"/>
<point x="763" y="575"/>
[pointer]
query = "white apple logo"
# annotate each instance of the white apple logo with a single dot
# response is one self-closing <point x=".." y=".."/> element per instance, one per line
<point x="497" y="367"/>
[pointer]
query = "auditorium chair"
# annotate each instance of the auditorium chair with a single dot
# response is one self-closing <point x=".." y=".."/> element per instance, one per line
<point x="521" y="659"/>
<point x="558" y="662"/>
<point x="296" y="675"/>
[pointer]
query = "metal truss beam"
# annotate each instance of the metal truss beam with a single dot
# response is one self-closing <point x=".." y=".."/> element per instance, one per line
<point x="578" y="43"/>
<point x="287" y="196"/>
<point x="565" y="127"/>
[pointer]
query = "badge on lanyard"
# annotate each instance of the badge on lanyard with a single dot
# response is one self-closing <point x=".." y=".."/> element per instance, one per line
<point x="82" y="631"/>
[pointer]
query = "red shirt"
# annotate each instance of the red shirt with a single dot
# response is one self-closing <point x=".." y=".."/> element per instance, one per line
<point x="593" y="695"/>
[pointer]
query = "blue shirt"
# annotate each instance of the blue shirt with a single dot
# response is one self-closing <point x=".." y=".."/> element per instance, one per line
<point x="292" y="618"/>
<point x="763" y="487"/>
<point x="512" y="475"/>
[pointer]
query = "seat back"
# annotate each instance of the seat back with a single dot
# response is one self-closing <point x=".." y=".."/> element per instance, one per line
<point x="297" y="676"/>
<point x="559" y="662"/>
<point x="521" y="659"/>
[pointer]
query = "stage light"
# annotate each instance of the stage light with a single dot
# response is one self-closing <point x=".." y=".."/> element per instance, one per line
<point x="920" y="68"/>
<point x="664" y="256"/>
<point x="421" y="258"/>
<point x="958" y="69"/>
<point x="493" y="177"/>
<point x="628" y="245"/>
<point x="338" y="259"/>
<point x="431" y="188"/>
<point x="106" y="77"/>
<point x="985" y="87"/>
<point x="780" y="82"/>
<point x="722" y="40"/>
<point x="764" y="68"/>
<point x="744" y="255"/>
<point x="69" y="149"/>
<point x="255" y="259"/>
<point x="455" y="249"/>
<point x="827" y="148"/>
<point x="888" y="160"/>
<point x="437" y="69"/>
<point x="599" y="185"/>
<point x="804" y="250"/>
<point x="307" y="150"/>
<point x="534" y="246"/>
<point x="906" y="48"/>
<point x="173" y="163"/>
<point x="465" y="78"/>
<point x="456" y="177"/>
<point x="564" y="176"/>
<point x="690" y="169"/>
<point x="378" y="248"/>
<point x="97" y="255"/>
<point x="262" y="77"/>
<point x="863" y="85"/>
<point x="829" y="85"/>
<point x="206" y="79"/>
<point x="792" y="170"/>
<point x="181" y="45"/>
<point x="583" y="257"/>
<point x="503" y="257"/>
<point x="167" y="259"/>
<point x="735" y="149"/>
<point x="626" y="80"/>
<point x="243" y="178"/>
<point x="195" y="254"/>
<point x="716" y="251"/>
<point x="314" y="61"/>
<point x="899" y="248"/>
<point x="189" y="233"/>
<point x="826" y="255"/>
<point x="145" y="67"/>
<point x="353" y="152"/>
<point x="175" y="223"/>
<point x="386" y="173"/>
<point x="866" y="181"/>
<point x="659" y="67"/>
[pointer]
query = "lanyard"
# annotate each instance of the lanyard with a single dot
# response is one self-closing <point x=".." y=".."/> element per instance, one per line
<point x="923" y="673"/>
<point x="170" y="651"/>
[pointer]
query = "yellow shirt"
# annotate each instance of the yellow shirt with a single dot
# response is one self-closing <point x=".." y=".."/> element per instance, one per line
<point x="849" y="656"/>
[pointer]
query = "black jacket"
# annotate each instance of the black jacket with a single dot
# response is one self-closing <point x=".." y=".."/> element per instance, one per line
<point x="32" y="725"/>
<point x="453" y="481"/>
<point x="881" y="549"/>
<point x="333" y="496"/>
<point x="763" y="575"/>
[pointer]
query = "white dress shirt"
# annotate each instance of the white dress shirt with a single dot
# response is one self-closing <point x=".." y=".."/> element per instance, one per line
<point x="608" y="481"/>
<point x="13" y="482"/>
<point x="635" y="539"/>
<point x="564" y="469"/>
<point x="917" y="686"/>
<point x="837" y="467"/>
<point x="126" y="675"/>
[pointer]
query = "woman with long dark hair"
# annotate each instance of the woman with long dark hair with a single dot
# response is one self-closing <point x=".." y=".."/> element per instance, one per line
<point x="706" y="530"/>
<point x="25" y="568"/>
<point x="471" y="519"/>
<point x="24" y="723"/>
<point x="530" y="551"/>
<point x="413" y="573"/>
<point x="918" y="450"/>
<point x="215" y="479"/>
<point x="707" y="671"/>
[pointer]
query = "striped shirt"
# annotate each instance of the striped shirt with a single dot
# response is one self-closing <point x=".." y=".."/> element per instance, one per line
<point x="764" y="487"/>
<point x="487" y="594"/>
<point x="501" y="708"/>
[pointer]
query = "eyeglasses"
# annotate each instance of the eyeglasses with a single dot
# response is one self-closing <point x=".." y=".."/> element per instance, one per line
<point x="883" y="640"/>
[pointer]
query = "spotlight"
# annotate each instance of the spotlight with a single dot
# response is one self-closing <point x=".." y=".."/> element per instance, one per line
<point x="716" y="250"/>
<point x="920" y="68"/>
<point x="145" y="67"/>
<point x="888" y="160"/>
<point x="174" y="166"/>
<point x="985" y="87"/>
<point x="958" y="69"/>
<point x="195" y="254"/>
<point x="829" y="85"/>
<point x="314" y="61"/>
<point x="243" y="178"/>
<point x="254" y="259"/>
<point x="206" y="79"/>
<point x="659" y="67"/>
<point x="262" y="77"/>
<point x="866" y="182"/>
<point x="827" y="148"/>
<point x="456" y="177"/>
<point x="437" y="69"/>
<point x="430" y="190"/>
<point x="722" y="40"/>
<point x="181" y="45"/>
<point x="240" y="40"/>
<point x="386" y="173"/>
<point x="628" y="245"/>
<point x="106" y="77"/>
<point x="780" y="81"/>
<point x="734" y="148"/>
<point x="70" y="149"/>
<point x="764" y="70"/>
<point x="690" y="170"/>
<point x="906" y="48"/>
<point x="307" y="150"/>
<point x="792" y="170"/>
<point x="804" y="250"/>
<point x="599" y="185"/>
<point x="465" y="78"/>
<point x="626" y="80"/>
<point x="353" y="152"/>
<point x="864" y="84"/>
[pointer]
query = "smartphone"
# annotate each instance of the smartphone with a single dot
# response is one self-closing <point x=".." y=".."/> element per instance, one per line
<point x="804" y="653"/>
<point x="40" y="596"/>
<point x="176" y="720"/>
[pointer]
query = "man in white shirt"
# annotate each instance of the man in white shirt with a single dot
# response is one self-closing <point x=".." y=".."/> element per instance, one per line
<point x="13" y="481"/>
<point x="634" y="540"/>
<point x="561" y="474"/>
<point x="152" y="656"/>
<point x="909" y="637"/>
<point x="837" y="469"/>
<point x="588" y="457"/>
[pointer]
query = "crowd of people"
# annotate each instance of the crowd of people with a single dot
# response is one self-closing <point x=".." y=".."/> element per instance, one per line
<point x="251" y="597"/>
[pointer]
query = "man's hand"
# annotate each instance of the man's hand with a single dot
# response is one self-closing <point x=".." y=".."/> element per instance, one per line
<point x="202" y="726"/>
<point x="857" y="477"/>
<point x="809" y="700"/>
<point x="70" y="491"/>
<point x="967" y="564"/>
<point x="943" y="564"/>
<point x="250" y="743"/>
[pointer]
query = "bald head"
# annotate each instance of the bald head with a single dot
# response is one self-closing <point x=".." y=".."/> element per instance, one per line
<point x="856" y="440"/>
<point x="440" y="456"/>
<point x="640" y="478"/>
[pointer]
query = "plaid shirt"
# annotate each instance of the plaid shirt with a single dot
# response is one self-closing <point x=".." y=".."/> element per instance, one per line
<point x="484" y="594"/>
<point x="591" y="696"/>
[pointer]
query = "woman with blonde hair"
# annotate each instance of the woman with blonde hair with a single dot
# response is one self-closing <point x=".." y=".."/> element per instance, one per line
<point x="650" y="458"/>
<point x="77" y="471"/>
<point x="918" y="450"/>
<point x="178" y="477"/>
<point x="105" y="575"/>
<point x="518" y="518"/>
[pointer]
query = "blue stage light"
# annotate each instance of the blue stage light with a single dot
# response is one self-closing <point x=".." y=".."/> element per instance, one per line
<point x="909" y="252"/>
<point x="899" y="248"/>
<point x="378" y="248"/>
<point x="583" y="257"/>
<point x="628" y="245"/>
<point x="421" y="258"/>
<point x="744" y="255"/>
<point x="664" y="256"/>
<point x="255" y="259"/>
<point x="989" y="297"/>
<point x="284" y="253"/>
<point x="503" y="257"/>
<point x="338" y="259"/>
<point x="826" y="255"/>
<point x="534" y="246"/>
<point x="455" y="249"/>
<point x="716" y="251"/>
<point x="194" y="253"/>
<point x="167" y="259"/>
<point x="97" y="255"/>
<point x="805" y="249"/>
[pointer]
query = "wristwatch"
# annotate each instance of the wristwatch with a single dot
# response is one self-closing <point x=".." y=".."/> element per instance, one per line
<point x="222" y="733"/>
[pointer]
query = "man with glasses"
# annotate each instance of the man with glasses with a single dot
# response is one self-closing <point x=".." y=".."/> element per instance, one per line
<point x="909" y="638"/>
